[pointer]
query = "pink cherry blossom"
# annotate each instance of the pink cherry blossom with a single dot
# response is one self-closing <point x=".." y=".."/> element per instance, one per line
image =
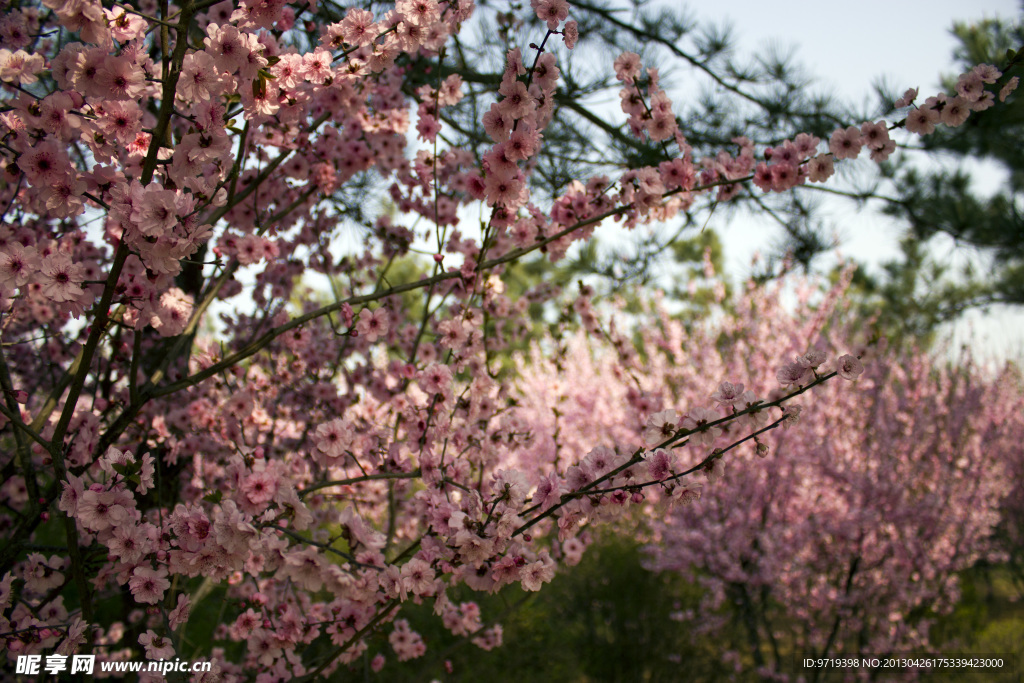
<point x="172" y="315"/>
<point x="846" y="143"/>
<point x="955" y="112"/>
<point x="18" y="264"/>
<point x="332" y="438"/>
<point x="60" y="278"/>
<point x="660" y="463"/>
<point x="1010" y="86"/>
<point x="129" y="544"/>
<point x="849" y="367"/>
<point x="406" y="643"/>
<point x="121" y="78"/>
<point x="157" y="647"/>
<point x="697" y="420"/>
<point x="570" y="34"/>
<point x="794" y="373"/>
<point x="553" y="12"/>
<point x="358" y="27"/>
<point x="99" y="510"/>
<point x="418" y="12"/>
<point x="372" y="325"/>
<point x="44" y="162"/>
<point x="660" y="427"/>
<point x="728" y="393"/>
<point x="180" y="614"/>
<point x="627" y="66"/>
<point x="922" y="120"/>
<point x="907" y="99"/>
<point x="820" y="168"/>
<point x="148" y="585"/>
<point x="42" y="574"/>
<point x="200" y="77"/>
<point x="20" y="67"/>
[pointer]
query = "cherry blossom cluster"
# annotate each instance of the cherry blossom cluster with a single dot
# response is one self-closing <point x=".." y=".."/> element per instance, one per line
<point x="654" y="117"/>
<point x="869" y="511"/>
<point x="795" y="162"/>
<point x="830" y="534"/>
<point x="196" y="428"/>
<point x="657" y="470"/>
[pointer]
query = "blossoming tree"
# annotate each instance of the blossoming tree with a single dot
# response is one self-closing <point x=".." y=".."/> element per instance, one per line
<point x="842" y="535"/>
<point x="313" y="467"/>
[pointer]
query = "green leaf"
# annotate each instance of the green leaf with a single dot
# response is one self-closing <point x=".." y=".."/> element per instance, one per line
<point x="126" y="470"/>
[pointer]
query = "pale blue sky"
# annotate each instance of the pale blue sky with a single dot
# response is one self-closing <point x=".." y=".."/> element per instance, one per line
<point x="849" y="45"/>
